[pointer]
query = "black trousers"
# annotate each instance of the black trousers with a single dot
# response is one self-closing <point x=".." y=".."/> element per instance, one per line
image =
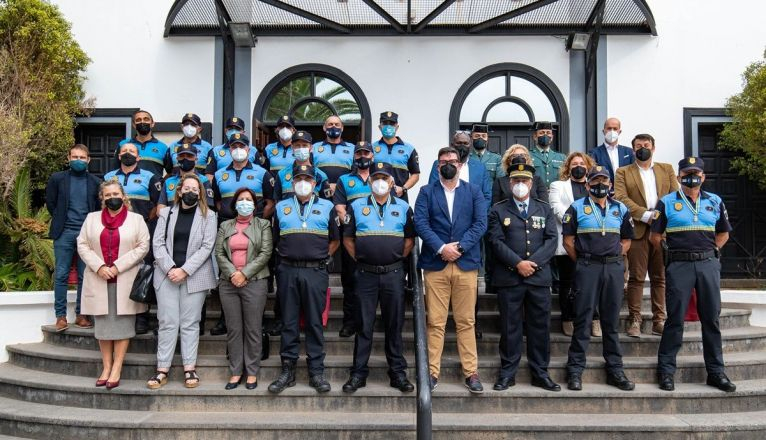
<point x="566" y="270"/>
<point x="597" y="285"/>
<point x="388" y="290"/>
<point x="303" y="289"/>
<point x="680" y="278"/>
<point x="348" y="281"/>
<point x="528" y="306"/>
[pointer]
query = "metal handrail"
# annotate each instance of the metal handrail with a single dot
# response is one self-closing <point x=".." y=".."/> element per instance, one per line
<point x="415" y="281"/>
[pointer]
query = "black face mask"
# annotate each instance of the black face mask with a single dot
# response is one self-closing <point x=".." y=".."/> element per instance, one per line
<point x="448" y="171"/>
<point x="128" y="159"/>
<point x="643" y="154"/>
<point x="691" y="181"/>
<point x="190" y="198"/>
<point x="463" y="152"/>
<point x="544" y="141"/>
<point x="113" y="203"/>
<point x="599" y="190"/>
<point x="333" y="132"/>
<point x="479" y="144"/>
<point x="143" y="128"/>
<point x="578" y="172"/>
<point x="186" y="164"/>
<point x="363" y="163"/>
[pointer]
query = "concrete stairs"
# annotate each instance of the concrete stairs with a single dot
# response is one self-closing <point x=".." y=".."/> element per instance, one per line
<point x="47" y="391"/>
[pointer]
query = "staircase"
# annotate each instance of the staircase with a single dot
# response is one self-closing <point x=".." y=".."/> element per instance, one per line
<point x="47" y="391"/>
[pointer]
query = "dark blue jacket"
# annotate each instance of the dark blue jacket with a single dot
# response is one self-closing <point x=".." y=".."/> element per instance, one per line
<point x="433" y="225"/>
<point x="477" y="172"/>
<point x="57" y="199"/>
<point x="625" y="156"/>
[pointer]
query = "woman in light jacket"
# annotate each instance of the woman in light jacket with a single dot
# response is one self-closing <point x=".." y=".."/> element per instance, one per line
<point x="569" y="187"/>
<point x="183" y="275"/>
<point x="243" y="249"/>
<point x="111" y="243"/>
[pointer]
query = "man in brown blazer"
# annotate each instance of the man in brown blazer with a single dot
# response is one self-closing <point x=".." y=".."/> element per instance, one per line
<point x="639" y="186"/>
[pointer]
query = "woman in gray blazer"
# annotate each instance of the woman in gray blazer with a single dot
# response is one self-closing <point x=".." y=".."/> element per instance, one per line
<point x="183" y="275"/>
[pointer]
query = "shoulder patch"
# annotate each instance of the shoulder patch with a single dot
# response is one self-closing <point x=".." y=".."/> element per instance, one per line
<point x="275" y="151"/>
<point x="351" y="183"/>
<point x="507" y="221"/>
<point x="366" y="210"/>
<point x="287" y="210"/>
<point x="587" y="210"/>
<point x="320" y="149"/>
<point x="221" y="153"/>
<point x="656" y="215"/>
<point x="678" y="206"/>
<point x="377" y="149"/>
<point x="225" y="177"/>
<point x="567" y="218"/>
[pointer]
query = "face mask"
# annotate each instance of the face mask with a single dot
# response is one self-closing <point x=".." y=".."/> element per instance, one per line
<point x="190" y="198"/>
<point x="599" y="190"/>
<point x="190" y="131"/>
<point x="578" y="172"/>
<point x="363" y="163"/>
<point x="643" y="154"/>
<point x="238" y="154"/>
<point x="245" y="207"/>
<point x="388" y="131"/>
<point x="448" y="171"/>
<point x="302" y="188"/>
<point x="380" y="187"/>
<point x="143" y="128"/>
<point x="333" y="132"/>
<point x="611" y="136"/>
<point x="128" y="159"/>
<point x="186" y="164"/>
<point x="231" y="132"/>
<point x="479" y="144"/>
<point x="113" y="203"/>
<point x="285" y="134"/>
<point x="78" y="165"/>
<point x="691" y="181"/>
<point x="463" y="152"/>
<point x="520" y="190"/>
<point x="544" y="140"/>
<point x="301" y="154"/>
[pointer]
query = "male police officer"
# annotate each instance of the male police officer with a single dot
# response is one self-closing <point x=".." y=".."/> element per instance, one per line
<point x="333" y="155"/>
<point x="191" y="126"/>
<point x="154" y="155"/>
<point x="597" y="232"/>
<point x="306" y="233"/>
<point x="401" y="155"/>
<point x="697" y="227"/>
<point x="141" y="186"/>
<point x="524" y="237"/>
<point x="379" y="234"/>
<point x="279" y="154"/>
<point x="220" y="156"/>
<point x="546" y="161"/>
<point x="491" y="161"/>
<point x="301" y="152"/>
<point x="187" y="159"/>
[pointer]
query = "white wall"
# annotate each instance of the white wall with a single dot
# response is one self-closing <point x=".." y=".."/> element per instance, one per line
<point x="697" y="59"/>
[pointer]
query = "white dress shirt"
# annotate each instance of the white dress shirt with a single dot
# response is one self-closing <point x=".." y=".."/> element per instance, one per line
<point x="614" y="157"/>
<point x="464" y="172"/>
<point x="450" y="195"/>
<point x="650" y="190"/>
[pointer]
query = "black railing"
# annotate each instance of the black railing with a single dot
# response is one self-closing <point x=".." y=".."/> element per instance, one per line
<point x="415" y="285"/>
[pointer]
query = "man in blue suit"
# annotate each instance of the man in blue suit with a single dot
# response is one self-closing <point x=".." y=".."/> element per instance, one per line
<point x="475" y="172"/>
<point x="451" y="218"/>
<point x="610" y="154"/>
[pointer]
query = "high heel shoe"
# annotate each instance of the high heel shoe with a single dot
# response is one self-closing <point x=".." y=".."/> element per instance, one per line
<point x="251" y="386"/>
<point x="232" y="385"/>
<point x="111" y="385"/>
<point x="101" y="382"/>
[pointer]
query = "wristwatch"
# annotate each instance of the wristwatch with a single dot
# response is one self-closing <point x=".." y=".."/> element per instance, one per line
<point x="460" y="249"/>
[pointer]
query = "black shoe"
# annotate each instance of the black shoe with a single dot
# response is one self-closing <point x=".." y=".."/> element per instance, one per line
<point x="503" y="383"/>
<point x="354" y="383"/>
<point x="319" y="383"/>
<point x="219" y="329"/>
<point x="574" y="382"/>
<point x="620" y="381"/>
<point x="142" y="324"/>
<point x="479" y="334"/>
<point x="201" y="329"/>
<point x="402" y="384"/>
<point x="473" y="384"/>
<point x="232" y="385"/>
<point x="721" y="382"/>
<point x="666" y="381"/>
<point x="546" y="383"/>
<point x="286" y="377"/>
<point x="433" y="383"/>
<point x="347" y="331"/>
<point x="251" y="386"/>
<point x="275" y="328"/>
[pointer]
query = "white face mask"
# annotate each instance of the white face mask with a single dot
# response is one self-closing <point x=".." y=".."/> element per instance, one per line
<point x="380" y="187"/>
<point x="611" y="136"/>
<point x="245" y="207"/>
<point x="301" y="154"/>
<point x="238" y="154"/>
<point x="285" y="134"/>
<point x="190" y="131"/>
<point x="302" y="188"/>
<point x="520" y="190"/>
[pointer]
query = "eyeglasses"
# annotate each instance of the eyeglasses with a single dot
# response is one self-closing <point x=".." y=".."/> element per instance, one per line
<point x="451" y="162"/>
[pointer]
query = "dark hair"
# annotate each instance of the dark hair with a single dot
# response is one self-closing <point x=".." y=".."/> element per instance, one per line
<point x="133" y="117"/>
<point x="642" y="137"/>
<point x="236" y="196"/>
<point x="448" y="150"/>
<point x="80" y="147"/>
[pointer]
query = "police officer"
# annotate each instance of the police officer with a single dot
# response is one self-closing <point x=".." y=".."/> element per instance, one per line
<point x="333" y="155"/>
<point x="401" y="155"/>
<point x="191" y="126"/>
<point x="187" y="159"/>
<point x="242" y="173"/>
<point x="379" y="234"/>
<point x="491" y="161"/>
<point x="301" y="152"/>
<point x="524" y="237"/>
<point x="141" y="186"/>
<point x="546" y="161"/>
<point x="279" y="154"/>
<point x="597" y="232"/>
<point x="153" y="154"/>
<point x="350" y="187"/>
<point x="306" y="233"/>
<point x="220" y="156"/>
<point x="697" y="227"/>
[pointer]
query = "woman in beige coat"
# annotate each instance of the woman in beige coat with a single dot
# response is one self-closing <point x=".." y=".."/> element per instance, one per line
<point x="111" y="243"/>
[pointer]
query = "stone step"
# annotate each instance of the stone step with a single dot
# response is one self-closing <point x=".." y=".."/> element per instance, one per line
<point x="52" y="389"/>
<point x="741" y="339"/>
<point x="78" y="362"/>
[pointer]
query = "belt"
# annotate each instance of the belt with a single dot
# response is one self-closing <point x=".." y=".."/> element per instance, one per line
<point x="599" y="259"/>
<point x="379" y="269"/>
<point x="691" y="256"/>
<point x="304" y="263"/>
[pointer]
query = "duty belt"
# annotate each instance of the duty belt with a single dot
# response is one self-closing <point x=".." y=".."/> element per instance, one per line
<point x="600" y="259"/>
<point x="304" y="263"/>
<point x="379" y="269"/>
<point x="691" y="256"/>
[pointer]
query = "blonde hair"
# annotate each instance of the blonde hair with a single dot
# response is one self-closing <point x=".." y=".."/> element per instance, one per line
<point x="564" y="173"/>
<point x="106" y="183"/>
<point x="202" y="203"/>
<point x="506" y="161"/>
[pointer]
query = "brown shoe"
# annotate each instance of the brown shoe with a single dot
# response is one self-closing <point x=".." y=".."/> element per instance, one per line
<point x="83" y="322"/>
<point x="658" y="328"/>
<point x="567" y="327"/>
<point x="595" y="328"/>
<point x="61" y="324"/>
<point x="634" y="328"/>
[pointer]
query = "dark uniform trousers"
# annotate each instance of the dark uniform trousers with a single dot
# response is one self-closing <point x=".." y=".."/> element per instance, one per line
<point x="388" y="290"/>
<point x="597" y="285"/>
<point x="348" y="281"/>
<point x="303" y="289"/>
<point x="535" y="301"/>
<point x="680" y="278"/>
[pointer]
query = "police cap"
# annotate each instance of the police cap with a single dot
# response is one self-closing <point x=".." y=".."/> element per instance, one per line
<point x="236" y="123"/>
<point x="191" y="117"/>
<point x="286" y="120"/>
<point x="239" y="138"/>
<point x="691" y="164"/>
<point x="597" y="171"/>
<point x="302" y="136"/>
<point x="542" y="125"/>
<point x="521" y="170"/>
<point x="187" y="149"/>
<point x="480" y="128"/>
<point x="303" y="170"/>
<point x="382" y="168"/>
<point x="389" y="117"/>
<point x="362" y="146"/>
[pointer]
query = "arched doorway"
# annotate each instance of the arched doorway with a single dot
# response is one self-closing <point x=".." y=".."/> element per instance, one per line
<point x="510" y="97"/>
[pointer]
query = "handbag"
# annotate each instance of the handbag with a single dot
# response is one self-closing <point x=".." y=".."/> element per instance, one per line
<point x="142" y="290"/>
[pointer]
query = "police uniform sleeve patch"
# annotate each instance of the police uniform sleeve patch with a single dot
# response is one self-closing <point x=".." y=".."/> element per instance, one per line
<point x="656" y="215"/>
<point x="567" y="218"/>
<point x="221" y="153"/>
<point x="271" y="181"/>
<point x="275" y="151"/>
<point x="288" y="176"/>
<point x="366" y="210"/>
<point x="320" y="149"/>
<point x="678" y="206"/>
<point x="507" y="221"/>
<point x="225" y="177"/>
<point x="377" y="149"/>
<point x="630" y="220"/>
<point x="158" y="186"/>
<point x="587" y="210"/>
<point x="351" y="183"/>
<point x="287" y="210"/>
<point x="209" y="193"/>
<point x="172" y="186"/>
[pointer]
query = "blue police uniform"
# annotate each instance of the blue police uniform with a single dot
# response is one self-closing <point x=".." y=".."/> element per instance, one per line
<point x="401" y="155"/>
<point x="142" y="188"/>
<point x="279" y="157"/>
<point x="170" y="186"/>
<point x="349" y="188"/>
<point x="228" y="180"/>
<point x="153" y="155"/>
<point x="283" y="184"/>
<point x="219" y="158"/>
<point x="203" y="151"/>
<point x="334" y="159"/>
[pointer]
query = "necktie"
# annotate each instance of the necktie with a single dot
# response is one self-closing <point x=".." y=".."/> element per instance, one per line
<point x="523" y="209"/>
